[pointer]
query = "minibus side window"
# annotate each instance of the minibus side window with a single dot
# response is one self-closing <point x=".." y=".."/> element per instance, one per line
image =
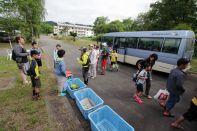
<point x="151" y="44"/>
<point x="171" y="45"/>
<point x="132" y="42"/>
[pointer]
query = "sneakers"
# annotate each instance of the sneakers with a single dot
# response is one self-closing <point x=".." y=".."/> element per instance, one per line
<point x="35" y="98"/>
<point x="149" y="97"/>
<point x="62" y="94"/>
<point x="137" y="99"/>
<point x="168" y="114"/>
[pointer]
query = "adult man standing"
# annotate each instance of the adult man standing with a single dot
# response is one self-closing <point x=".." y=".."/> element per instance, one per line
<point x="93" y="61"/>
<point x="21" y="57"/>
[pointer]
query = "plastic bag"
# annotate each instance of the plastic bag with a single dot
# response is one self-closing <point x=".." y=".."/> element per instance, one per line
<point x="162" y="95"/>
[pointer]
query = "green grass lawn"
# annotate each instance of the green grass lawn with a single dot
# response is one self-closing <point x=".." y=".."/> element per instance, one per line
<point x="194" y="65"/>
<point x="17" y="110"/>
<point x="4" y="45"/>
<point x="7" y="45"/>
<point x="79" y="42"/>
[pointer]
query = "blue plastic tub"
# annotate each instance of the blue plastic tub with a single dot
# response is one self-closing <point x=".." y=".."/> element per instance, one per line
<point x="91" y="95"/>
<point x="74" y="81"/>
<point x="105" y="119"/>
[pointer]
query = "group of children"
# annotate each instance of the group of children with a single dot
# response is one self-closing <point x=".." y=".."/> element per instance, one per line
<point x="90" y="60"/>
<point x="143" y="76"/>
<point x="174" y="86"/>
<point x="108" y="56"/>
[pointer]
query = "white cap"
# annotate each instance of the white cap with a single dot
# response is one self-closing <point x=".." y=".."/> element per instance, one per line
<point x="104" y="44"/>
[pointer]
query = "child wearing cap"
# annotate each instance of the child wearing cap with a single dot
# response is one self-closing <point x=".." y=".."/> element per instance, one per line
<point x="84" y="61"/>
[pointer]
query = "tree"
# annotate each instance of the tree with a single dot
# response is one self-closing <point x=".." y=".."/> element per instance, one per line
<point x="100" y="25"/>
<point x="128" y="24"/>
<point x="46" y="28"/>
<point x="183" y="26"/>
<point x="115" y="26"/>
<point x="23" y="15"/>
<point x="142" y="22"/>
<point x="33" y="13"/>
<point x="166" y="14"/>
<point x="74" y="35"/>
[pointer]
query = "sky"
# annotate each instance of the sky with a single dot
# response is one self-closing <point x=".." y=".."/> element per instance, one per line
<point x="86" y="11"/>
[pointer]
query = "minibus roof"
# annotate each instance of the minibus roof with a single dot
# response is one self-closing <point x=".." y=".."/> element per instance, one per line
<point x="168" y="34"/>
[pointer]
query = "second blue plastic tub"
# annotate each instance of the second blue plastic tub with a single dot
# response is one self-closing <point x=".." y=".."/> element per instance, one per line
<point x="89" y="94"/>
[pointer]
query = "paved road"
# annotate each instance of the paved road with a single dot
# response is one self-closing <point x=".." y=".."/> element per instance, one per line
<point x="117" y="89"/>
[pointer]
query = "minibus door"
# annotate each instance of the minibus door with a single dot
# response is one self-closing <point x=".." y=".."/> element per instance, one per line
<point x="120" y="48"/>
<point x="121" y="54"/>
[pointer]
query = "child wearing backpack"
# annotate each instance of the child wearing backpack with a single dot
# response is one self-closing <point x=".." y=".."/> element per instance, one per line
<point x="35" y="47"/>
<point x="141" y="79"/>
<point x="35" y="76"/>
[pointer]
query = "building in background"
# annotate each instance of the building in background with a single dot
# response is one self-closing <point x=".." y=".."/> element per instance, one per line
<point x="81" y="30"/>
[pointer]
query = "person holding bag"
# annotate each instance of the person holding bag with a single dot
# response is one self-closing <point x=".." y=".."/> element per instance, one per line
<point x="175" y="86"/>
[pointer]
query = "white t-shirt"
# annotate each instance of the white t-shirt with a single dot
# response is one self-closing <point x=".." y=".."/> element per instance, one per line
<point x="143" y="73"/>
<point x="97" y="53"/>
<point x="93" y="56"/>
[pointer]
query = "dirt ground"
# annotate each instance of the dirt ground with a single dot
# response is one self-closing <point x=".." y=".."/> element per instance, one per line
<point x="7" y="83"/>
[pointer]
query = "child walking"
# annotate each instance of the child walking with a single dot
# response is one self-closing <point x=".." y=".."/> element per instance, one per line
<point x="35" y="76"/>
<point x="141" y="79"/>
<point x="114" y="57"/>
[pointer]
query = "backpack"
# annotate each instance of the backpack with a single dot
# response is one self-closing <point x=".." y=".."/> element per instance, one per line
<point x="13" y="55"/>
<point x="135" y="75"/>
<point x="88" y="61"/>
<point x="19" y="59"/>
<point x="27" y="69"/>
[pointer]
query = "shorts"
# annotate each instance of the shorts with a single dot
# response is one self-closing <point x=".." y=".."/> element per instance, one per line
<point x="112" y="63"/>
<point x="39" y="62"/>
<point x="35" y="82"/>
<point x="104" y="62"/>
<point x="20" y="65"/>
<point x="191" y="113"/>
<point x="139" y="87"/>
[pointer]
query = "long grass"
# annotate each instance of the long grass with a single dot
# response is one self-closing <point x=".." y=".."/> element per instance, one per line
<point x="194" y="65"/>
